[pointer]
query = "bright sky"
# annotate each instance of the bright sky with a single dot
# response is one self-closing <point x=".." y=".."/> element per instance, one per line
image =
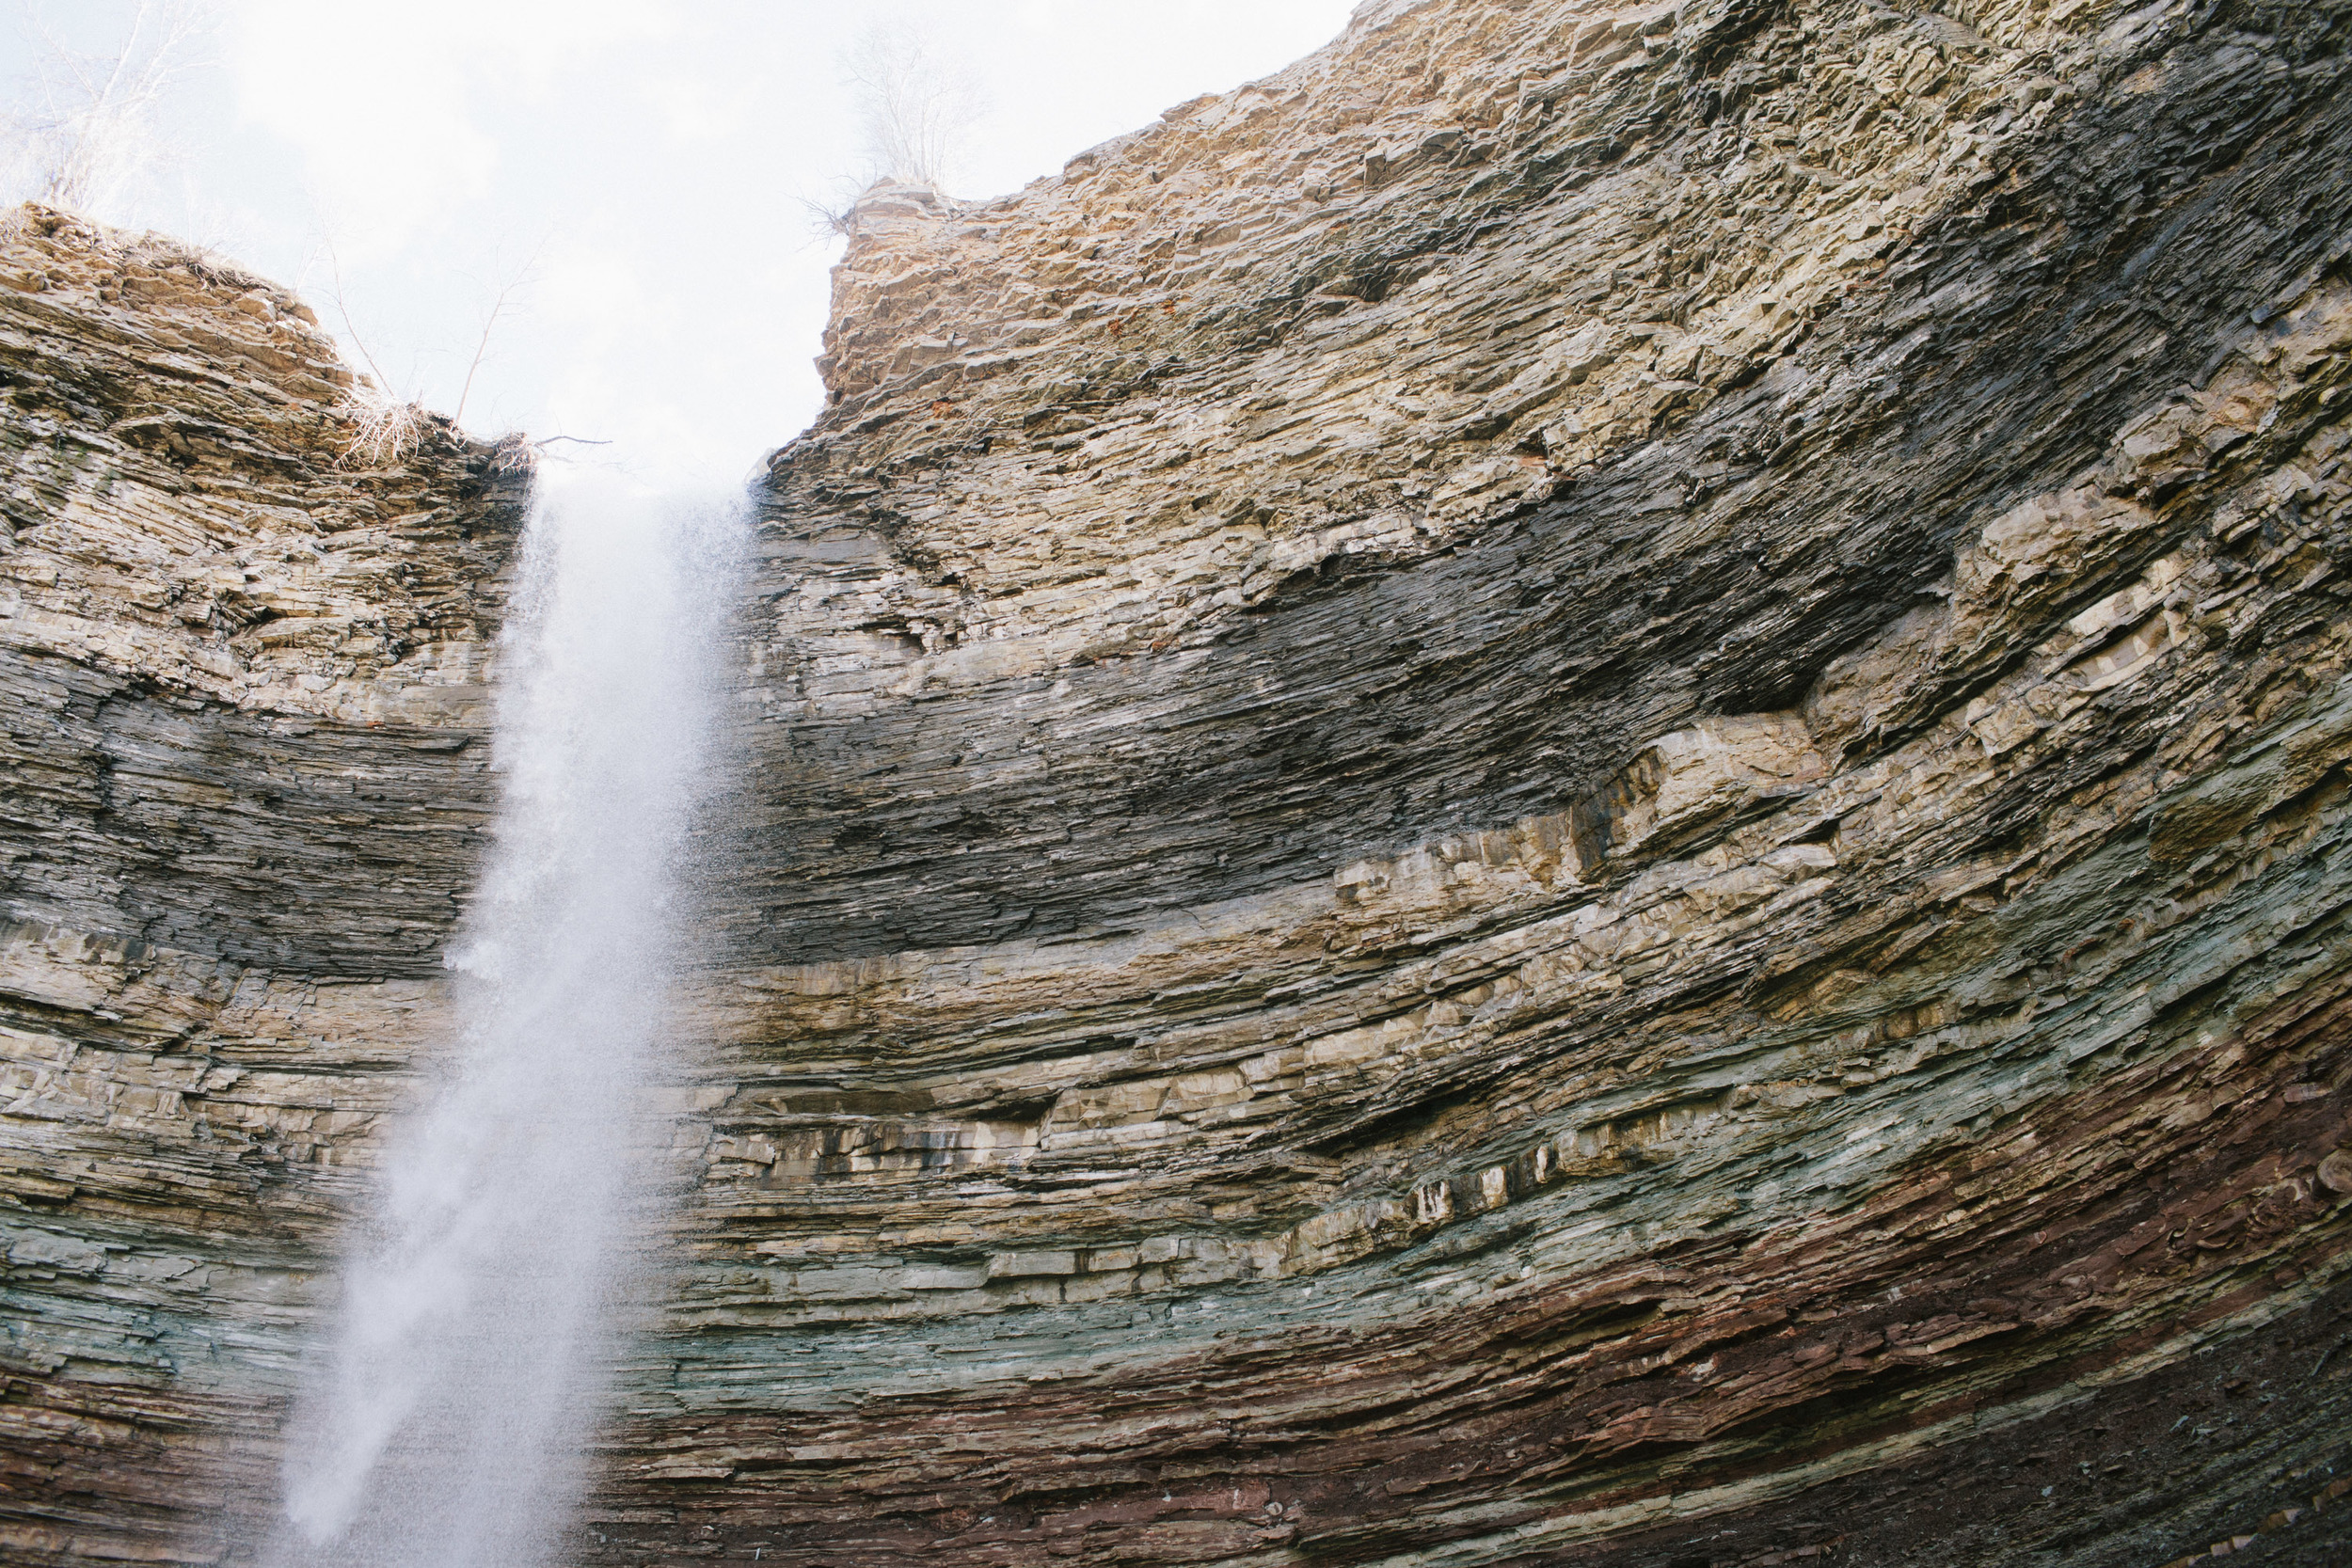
<point x="638" y="165"/>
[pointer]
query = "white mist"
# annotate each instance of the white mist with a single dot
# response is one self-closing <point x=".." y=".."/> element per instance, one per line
<point x="445" y="1426"/>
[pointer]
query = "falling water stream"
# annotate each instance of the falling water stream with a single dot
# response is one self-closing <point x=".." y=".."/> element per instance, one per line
<point x="483" y="1296"/>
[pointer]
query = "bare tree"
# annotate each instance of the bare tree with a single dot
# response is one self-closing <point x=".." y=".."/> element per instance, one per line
<point x="503" y="302"/>
<point x="914" y="109"/>
<point x="343" y="309"/>
<point x="85" y="126"/>
<point x="386" y="419"/>
<point x="913" y="115"/>
<point x="381" y="426"/>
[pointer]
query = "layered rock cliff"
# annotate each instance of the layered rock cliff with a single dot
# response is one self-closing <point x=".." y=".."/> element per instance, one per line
<point x="242" y="707"/>
<point x="1569" y="790"/>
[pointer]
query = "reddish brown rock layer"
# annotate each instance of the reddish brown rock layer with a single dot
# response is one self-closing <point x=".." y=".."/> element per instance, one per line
<point x="2076" y="1254"/>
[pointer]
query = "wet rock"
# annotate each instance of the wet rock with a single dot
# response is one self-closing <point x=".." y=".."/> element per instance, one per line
<point x="242" y="709"/>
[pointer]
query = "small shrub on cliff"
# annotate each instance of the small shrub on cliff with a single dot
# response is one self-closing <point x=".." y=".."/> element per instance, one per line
<point x="80" y="127"/>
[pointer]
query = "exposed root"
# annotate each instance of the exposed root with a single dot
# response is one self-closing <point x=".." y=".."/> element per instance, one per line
<point x="380" y="432"/>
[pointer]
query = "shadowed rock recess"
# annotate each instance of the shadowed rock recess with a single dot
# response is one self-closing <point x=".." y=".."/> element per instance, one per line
<point x="1570" y="790"/>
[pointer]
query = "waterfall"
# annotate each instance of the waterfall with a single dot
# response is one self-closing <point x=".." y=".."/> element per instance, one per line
<point x="482" y="1296"/>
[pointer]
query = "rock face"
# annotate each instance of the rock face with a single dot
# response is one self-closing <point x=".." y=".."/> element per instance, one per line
<point x="241" y="703"/>
<point x="1569" y="790"/>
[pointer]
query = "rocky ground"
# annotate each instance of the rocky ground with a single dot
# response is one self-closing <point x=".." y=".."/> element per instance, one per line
<point x="1567" y="791"/>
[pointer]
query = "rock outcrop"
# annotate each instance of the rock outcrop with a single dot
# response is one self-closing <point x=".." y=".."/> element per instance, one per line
<point x="1569" y="790"/>
<point x="242" y="707"/>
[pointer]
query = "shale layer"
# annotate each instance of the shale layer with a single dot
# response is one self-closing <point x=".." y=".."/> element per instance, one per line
<point x="1570" y="790"/>
<point x="241" y="705"/>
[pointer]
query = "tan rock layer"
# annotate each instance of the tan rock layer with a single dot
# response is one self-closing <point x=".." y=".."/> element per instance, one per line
<point x="242" y="667"/>
<point x="1189" y="655"/>
<point x="1301" y="822"/>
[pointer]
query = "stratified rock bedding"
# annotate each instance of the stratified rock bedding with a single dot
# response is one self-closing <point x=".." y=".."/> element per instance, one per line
<point x="1569" y="790"/>
<point x="243" y="723"/>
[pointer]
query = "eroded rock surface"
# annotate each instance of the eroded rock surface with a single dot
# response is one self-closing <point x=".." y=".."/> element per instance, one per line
<point x="242" y="707"/>
<point x="1569" y="790"/>
<point x="1573" y="772"/>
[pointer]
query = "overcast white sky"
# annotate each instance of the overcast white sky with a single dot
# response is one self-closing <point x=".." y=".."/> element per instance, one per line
<point x="648" y="153"/>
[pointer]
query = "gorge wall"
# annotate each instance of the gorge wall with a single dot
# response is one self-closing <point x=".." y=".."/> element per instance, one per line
<point x="245" y="730"/>
<point x="1569" y="790"/>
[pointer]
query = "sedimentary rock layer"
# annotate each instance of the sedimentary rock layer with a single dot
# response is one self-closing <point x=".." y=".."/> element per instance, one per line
<point x="1576" y="771"/>
<point x="1569" y="790"/>
<point x="242" y="655"/>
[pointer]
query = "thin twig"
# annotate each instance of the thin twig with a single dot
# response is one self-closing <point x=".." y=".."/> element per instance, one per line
<point x="335" y="274"/>
<point x="464" y="390"/>
<point x="521" y="279"/>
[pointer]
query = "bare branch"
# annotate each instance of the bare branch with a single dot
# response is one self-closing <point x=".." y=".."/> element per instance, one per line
<point x="521" y="279"/>
<point x="92" y="130"/>
<point x="382" y="426"/>
<point x="915" y="109"/>
<point x="382" y="430"/>
<point x="335" y="275"/>
<point x="830" y="215"/>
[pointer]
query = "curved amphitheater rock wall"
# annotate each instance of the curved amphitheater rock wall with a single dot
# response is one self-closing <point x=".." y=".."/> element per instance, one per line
<point x="1568" y="790"/>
